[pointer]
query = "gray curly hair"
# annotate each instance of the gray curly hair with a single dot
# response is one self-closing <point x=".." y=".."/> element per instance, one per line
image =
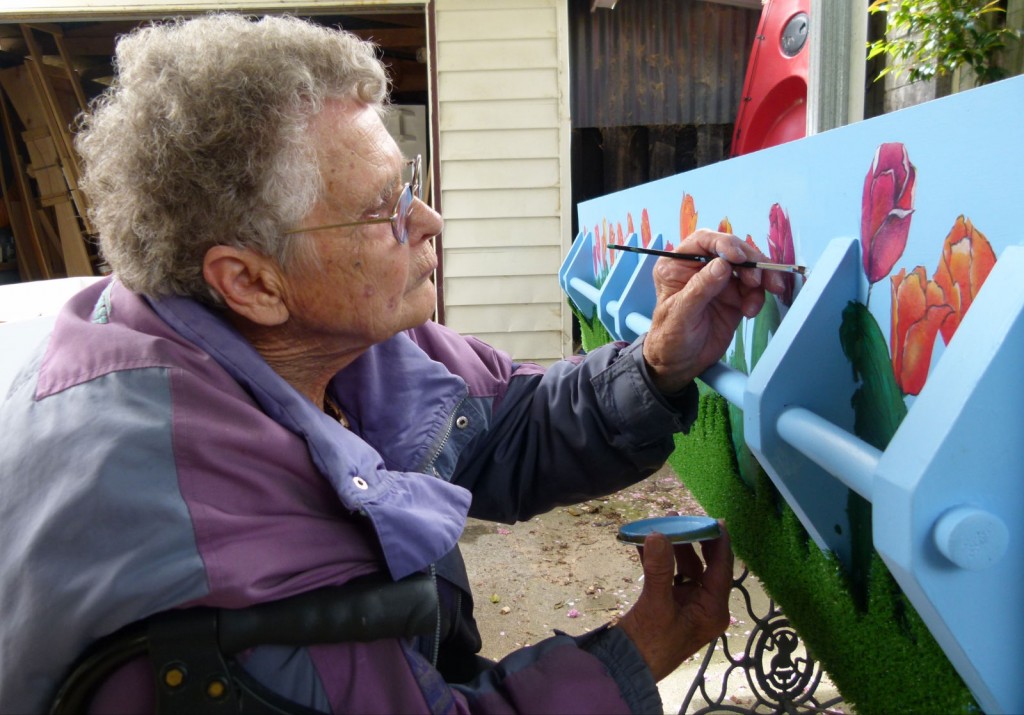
<point x="203" y="140"/>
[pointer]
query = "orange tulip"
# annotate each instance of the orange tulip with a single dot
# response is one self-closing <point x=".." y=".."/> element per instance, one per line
<point x="918" y="309"/>
<point x="725" y="225"/>
<point x="687" y="217"/>
<point x="645" y="228"/>
<point x="967" y="259"/>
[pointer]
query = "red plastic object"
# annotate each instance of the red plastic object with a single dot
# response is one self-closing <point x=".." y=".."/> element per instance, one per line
<point x="774" y="105"/>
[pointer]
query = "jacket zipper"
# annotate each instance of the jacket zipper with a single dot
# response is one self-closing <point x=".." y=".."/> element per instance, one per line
<point x="437" y="627"/>
<point x="436" y="452"/>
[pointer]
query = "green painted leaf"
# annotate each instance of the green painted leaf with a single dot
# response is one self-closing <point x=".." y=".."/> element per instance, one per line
<point x="878" y="403"/>
<point x="878" y="410"/>
<point x="744" y="459"/>
<point x="765" y="326"/>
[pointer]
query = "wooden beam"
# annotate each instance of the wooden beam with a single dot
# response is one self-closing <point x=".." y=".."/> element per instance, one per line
<point x="57" y="123"/>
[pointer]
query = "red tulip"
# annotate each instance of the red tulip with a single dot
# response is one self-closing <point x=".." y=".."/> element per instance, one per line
<point x="781" y="249"/>
<point x="645" y="228"/>
<point x="967" y="259"/>
<point x="886" y="209"/>
<point x="918" y="309"/>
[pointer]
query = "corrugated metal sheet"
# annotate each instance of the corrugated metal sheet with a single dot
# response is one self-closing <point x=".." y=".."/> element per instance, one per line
<point x="650" y="62"/>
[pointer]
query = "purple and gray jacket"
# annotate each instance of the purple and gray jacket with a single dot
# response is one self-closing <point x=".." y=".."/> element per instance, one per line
<point x="152" y="460"/>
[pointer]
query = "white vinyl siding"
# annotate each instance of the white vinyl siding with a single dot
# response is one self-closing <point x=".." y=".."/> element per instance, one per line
<point x="502" y="79"/>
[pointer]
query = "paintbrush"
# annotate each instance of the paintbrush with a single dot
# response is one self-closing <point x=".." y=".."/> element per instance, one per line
<point x="784" y="267"/>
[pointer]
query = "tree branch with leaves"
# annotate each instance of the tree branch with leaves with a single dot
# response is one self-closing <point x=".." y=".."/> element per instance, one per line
<point x="932" y="38"/>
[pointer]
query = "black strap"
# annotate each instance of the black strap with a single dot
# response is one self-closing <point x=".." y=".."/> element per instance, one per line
<point x="191" y="649"/>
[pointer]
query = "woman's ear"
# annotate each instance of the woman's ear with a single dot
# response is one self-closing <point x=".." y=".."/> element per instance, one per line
<point x="250" y="284"/>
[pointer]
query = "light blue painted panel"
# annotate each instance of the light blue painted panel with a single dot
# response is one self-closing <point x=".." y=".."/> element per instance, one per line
<point x="943" y="475"/>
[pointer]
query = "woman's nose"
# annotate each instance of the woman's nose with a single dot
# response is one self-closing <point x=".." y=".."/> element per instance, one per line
<point x="424" y="222"/>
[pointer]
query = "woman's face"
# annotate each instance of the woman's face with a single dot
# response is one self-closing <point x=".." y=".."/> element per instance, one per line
<point x="367" y="287"/>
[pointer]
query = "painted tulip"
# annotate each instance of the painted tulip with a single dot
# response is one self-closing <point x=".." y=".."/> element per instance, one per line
<point x="645" y="228"/>
<point x="687" y="217"/>
<point x="725" y="225"/>
<point x="918" y="309"/>
<point x="886" y="208"/>
<point x="967" y="259"/>
<point x="781" y="249"/>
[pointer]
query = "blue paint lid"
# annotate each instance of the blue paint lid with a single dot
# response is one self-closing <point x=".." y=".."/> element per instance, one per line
<point x="678" y="529"/>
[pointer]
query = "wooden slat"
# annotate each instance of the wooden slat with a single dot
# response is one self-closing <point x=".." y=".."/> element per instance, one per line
<point x="57" y="123"/>
<point x="51" y="241"/>
<point x="69" y="67"/>
<point x="53" y="192"/>
<point x="72" y="242"/>
<point x="44" y="167"/>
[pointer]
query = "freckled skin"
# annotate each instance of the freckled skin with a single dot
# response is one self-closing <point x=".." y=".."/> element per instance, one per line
<point x="367" y="287"/>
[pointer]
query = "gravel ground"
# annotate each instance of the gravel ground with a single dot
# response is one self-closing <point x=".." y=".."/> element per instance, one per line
<point x="565" y="570"/>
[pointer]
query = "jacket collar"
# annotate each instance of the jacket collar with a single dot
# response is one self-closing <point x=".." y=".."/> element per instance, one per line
<point x="417" y="518"/>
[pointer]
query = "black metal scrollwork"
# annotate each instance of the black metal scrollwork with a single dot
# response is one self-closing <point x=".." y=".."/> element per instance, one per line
<point x="780" y="675"/>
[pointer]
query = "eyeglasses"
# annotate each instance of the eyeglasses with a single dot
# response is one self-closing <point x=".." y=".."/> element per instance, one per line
<point x="399" y="218"/>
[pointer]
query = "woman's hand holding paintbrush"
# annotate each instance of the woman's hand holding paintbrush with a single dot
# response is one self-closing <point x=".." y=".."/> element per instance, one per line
<point x="700" y="303"/>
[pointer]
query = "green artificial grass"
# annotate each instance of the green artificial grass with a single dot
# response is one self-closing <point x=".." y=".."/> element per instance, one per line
<point x="883" y="660"/>
<point x="880" y="655"/>
<point x="592" y="333"/>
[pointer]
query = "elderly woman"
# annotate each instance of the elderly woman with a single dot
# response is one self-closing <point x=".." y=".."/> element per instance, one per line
<point x="256" y="403"/>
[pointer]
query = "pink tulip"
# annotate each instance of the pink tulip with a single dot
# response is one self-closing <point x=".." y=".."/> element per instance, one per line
<point x="886" y="208"/>
<point x="781" y="249"/>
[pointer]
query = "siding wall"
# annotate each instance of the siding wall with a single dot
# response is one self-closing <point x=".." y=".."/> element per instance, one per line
<point x="502" y="95"/>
